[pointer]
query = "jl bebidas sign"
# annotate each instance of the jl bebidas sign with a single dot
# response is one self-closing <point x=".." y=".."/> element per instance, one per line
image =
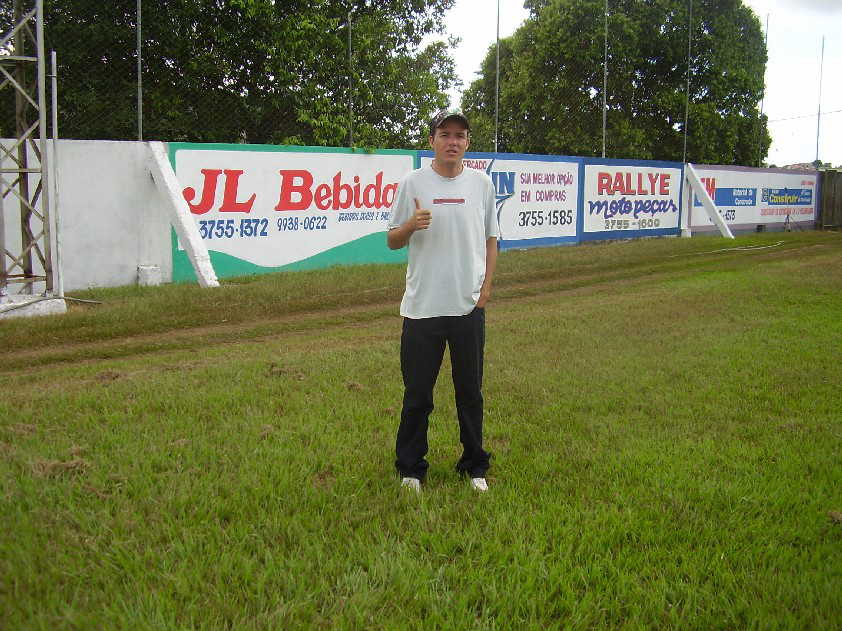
<point x="264" y="208"/>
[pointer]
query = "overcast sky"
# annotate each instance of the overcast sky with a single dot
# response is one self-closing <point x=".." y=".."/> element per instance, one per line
<point x="796" y="28"/>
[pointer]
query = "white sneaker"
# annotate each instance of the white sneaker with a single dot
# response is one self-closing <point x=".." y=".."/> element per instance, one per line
<point x="412" y="483"/>
<point x="479" y="484"/>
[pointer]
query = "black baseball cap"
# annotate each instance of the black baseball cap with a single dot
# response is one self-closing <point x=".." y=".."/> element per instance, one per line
<point x="447" y="114"/>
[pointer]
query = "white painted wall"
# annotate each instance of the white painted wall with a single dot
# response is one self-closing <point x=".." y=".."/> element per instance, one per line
<point x="112" y="218"/>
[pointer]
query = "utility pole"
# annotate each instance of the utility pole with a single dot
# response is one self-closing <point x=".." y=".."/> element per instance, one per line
<point x="819" y="123"/>
<point x="605" y="84"/>
<point x="687" y="96"/>
<point x="497" y="85"/>
<point x="350" y="88"/>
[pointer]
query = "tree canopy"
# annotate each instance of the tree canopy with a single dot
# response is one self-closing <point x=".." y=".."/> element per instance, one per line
<point x="551" y="82"/>
<point x="258" y="71"/>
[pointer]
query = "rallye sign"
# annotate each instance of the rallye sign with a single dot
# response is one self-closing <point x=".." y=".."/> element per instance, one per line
<point x="631" y="199"/>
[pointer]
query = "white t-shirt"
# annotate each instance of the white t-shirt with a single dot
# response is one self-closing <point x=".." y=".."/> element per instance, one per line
<point x="446" y="265"/>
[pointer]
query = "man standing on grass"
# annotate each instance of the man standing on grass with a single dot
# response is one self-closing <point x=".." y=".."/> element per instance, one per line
<point x="447" y="215"/>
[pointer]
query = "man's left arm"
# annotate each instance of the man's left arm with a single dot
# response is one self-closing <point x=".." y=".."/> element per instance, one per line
<point x="490" y="264"/>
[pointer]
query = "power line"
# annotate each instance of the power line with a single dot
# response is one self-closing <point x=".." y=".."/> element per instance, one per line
<point x="792" y="118"/>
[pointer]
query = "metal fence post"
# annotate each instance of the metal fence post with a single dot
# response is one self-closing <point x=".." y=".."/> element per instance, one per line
<point x="687" y="96"/>
<point x="139" y="77"/>
<point x="605" y="84"/>
<point x="350" y="88"/>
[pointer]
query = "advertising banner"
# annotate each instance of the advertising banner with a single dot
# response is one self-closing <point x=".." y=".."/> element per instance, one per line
<point x="262" y="208"/>
<point x="626" y="199"/>
<point x="537" y="196"/>
<point x="747" y="198"/>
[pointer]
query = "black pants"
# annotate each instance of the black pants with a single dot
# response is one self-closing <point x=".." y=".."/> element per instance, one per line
<point x="422" y="350"/>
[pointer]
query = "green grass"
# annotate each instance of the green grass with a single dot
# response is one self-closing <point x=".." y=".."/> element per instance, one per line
<point x="665" y="421"/>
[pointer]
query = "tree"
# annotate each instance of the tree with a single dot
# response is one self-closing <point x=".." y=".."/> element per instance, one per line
<point x="258" y="71"/>
<point x="551" y="82"/>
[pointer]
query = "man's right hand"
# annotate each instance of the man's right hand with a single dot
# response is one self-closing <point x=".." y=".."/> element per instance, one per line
<point x="420" y="219"/>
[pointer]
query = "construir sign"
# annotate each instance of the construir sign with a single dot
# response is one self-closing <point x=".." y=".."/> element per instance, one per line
<point x="747" y="198"/>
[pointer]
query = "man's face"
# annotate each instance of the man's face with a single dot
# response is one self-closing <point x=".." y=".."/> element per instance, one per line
<point x="449" y="143"/>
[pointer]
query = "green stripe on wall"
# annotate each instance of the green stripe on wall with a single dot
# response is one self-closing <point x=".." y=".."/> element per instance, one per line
<point x="368" y="249"/>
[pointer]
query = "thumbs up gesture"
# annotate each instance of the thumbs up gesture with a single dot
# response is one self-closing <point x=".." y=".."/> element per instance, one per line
<point x="420" y="220"/>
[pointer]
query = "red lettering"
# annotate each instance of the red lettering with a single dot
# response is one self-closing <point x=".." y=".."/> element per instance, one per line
<point x="338" y="189"/>
<point x="641" y="187"/>
<point x="297" y="192"/>
<point x="625" y="184"/>
<point x="322" y="197"/>
<point x="289" y="188"/>
<point x="229" y="195"/>
<point x="208" y="192"/>
<point x="603" y="184"/>
<point x="371" y="193"/>
<point x="629" y="188"/>
<point x="389" y="194"/>
<point x="618" y="184"/>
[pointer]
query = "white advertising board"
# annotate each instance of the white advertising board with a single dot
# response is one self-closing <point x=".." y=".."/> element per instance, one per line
<point x="631" y="199"/>
<point x="537" y="196"/>
<point x="747" y="198"/>
<point x="271" y="206"/>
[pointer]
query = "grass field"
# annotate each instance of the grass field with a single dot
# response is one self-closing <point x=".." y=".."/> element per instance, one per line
<point x="665" y="418"/>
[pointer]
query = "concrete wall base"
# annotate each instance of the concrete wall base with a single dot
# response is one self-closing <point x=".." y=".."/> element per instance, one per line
<point x="25" y="306"/>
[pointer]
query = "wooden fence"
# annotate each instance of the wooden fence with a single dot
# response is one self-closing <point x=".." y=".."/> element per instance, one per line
<point x="830" y="210"/>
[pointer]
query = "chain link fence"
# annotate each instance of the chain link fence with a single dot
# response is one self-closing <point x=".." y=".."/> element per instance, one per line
<point x="237" y="71"/>
<point x="584" y="77"/>
<point x="181" y="71"/>
<point x="610" y="79"/>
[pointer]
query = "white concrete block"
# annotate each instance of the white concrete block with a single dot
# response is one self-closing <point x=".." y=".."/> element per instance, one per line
<point x="148" y="275"/>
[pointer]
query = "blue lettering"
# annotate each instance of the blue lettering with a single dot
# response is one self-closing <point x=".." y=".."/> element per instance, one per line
<point x="600" y="207"/>
<point x="620" y="206"/>
<point x="625" y="206"/>
<point x="504" y="183"/>
<point x="653" y="207"/>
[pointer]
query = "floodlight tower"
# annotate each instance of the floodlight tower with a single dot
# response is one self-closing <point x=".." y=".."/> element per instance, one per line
<point x="24" y="187"/>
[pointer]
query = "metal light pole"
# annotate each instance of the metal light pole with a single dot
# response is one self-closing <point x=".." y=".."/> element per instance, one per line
<point x="139" y="77"/>
<point x="57" y="270"/>
<point x="350" y="88"/>
<point x="819" y="123"/>
<point x="687" y="97"/>
<point x="605" y="84"/>
<point x="497" y="85"/>
<point x="762" y="101"/>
